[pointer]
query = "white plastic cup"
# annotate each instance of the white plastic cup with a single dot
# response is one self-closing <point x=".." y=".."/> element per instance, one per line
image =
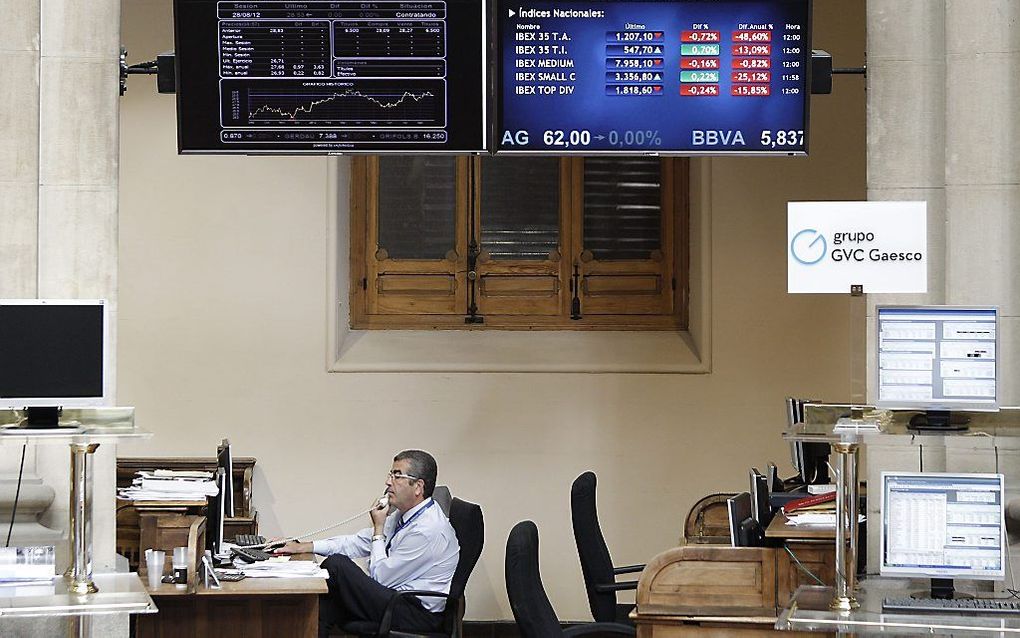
<point x="180" y="563"/>
<point x="155" y="560"/>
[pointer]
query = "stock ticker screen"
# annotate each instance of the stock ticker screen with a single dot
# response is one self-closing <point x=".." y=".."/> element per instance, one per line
<point x="686" y="77"/>
<point x="269" y="76"/>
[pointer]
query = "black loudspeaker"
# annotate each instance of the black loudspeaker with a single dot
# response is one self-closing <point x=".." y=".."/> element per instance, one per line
<point x="821" y="72"/>
<point x="166" y="76"/>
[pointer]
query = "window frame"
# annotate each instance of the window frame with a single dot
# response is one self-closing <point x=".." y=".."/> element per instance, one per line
<point x="675" y="235"/>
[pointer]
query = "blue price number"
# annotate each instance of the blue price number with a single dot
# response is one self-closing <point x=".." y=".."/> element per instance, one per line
<point x="782" y="138"/>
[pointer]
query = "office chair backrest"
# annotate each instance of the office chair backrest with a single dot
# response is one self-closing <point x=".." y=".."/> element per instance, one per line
<point x="596" y="563"/>
<point x="441" y="495"/>
<point x="532" y="610"/>
<point x="467" y="522"/>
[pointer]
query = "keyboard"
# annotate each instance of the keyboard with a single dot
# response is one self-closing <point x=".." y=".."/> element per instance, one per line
<point x="248" y="540"/>
<point x="953" y="605"/>
<point x="250" y="555"/>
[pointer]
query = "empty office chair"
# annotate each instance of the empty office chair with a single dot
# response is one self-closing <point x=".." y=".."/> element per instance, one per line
<point x="532" y="610"/>
<point x="467" y="522"/>
<point x="596" y="563"/>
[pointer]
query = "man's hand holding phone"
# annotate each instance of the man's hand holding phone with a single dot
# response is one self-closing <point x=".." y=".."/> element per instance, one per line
<point x="380" y="510"/>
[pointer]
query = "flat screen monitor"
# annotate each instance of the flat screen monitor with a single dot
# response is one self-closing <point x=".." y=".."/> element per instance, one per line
<point x="943" y="526"/>
<point x="225" y="462"/>
<point x="54" y="353"/>
<point x="683" y="77"/>
<point x="937" y="359"/>
<point x="215" y="514"/>
<point x="268" y="76"/>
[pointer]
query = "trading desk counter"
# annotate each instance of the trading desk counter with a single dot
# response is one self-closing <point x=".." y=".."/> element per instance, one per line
<point x="809" y="611"/>
<point x="253" y="607"/>
<point x="705" y="590"/>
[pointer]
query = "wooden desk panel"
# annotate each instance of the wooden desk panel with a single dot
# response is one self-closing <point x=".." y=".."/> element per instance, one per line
<point x="714" y="590"/>
<point x="250" y="608"/>
<point x="237" y="616"/>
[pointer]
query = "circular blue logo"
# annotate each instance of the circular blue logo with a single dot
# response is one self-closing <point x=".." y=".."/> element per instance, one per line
<point x="808" y="247"/>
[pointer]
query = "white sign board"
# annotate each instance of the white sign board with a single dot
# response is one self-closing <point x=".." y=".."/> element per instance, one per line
<point x="882" y="246"/>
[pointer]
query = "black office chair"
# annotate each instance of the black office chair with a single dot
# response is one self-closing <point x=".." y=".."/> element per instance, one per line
<point x="532" y="610"/>
<point x="466" y="519"/>
<point x="596" y="563"/>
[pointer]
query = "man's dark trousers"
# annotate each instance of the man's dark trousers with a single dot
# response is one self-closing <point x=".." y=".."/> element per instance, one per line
<point x="353" y="595"/>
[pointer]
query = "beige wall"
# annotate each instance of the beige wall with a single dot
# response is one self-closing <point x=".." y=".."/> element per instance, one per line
<point x="223" y="295"/>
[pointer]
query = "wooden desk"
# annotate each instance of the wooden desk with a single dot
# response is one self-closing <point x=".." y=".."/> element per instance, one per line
<point x="250" y="608"/>
<point x="716" y="590"/>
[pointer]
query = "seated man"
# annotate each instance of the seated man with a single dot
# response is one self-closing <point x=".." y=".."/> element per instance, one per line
<point x="411" y="545"/>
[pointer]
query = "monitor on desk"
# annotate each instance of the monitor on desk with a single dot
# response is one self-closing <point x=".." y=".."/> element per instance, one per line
<point x="937" y="359"/>
<point x="214" y="514"/>
<point x="943" y="526"/>
<point x="55" y="354"/>
<point x="225" y="462"/>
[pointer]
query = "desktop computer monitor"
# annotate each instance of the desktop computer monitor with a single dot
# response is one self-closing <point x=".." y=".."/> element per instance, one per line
<point x="937" y="359"/>
<point x="225" y="462"/>
<point x="811" y="460"/>
<point x="943" y="526"/>
<point x="55" y="355"/>
<point x="214" y="514"/>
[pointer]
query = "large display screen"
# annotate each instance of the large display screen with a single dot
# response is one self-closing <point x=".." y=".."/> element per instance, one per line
<point x="937" y="357"/>
<point x="683" y="76"/>
<point x="267" y="76"/>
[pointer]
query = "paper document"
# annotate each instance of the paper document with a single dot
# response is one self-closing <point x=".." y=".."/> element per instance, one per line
<point x="168" y="485"/>
<point x="817" y="518"/>
<point x="275" y="568"/>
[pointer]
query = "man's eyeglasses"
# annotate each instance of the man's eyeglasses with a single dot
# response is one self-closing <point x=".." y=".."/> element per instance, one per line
<point x="397" y="474"/>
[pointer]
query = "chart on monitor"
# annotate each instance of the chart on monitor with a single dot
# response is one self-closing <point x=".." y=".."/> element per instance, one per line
<point x="269" y="76"/>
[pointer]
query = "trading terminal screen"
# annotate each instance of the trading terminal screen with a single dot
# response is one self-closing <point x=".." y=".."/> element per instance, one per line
<point x="268" y="76"/>
<point x="943" y="525"/>
<point x="937" y="357"/>
<point x="686" y="77"/>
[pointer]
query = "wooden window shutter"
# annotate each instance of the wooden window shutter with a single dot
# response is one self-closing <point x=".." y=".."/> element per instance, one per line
<point x="416" y="237"/>
<point x="625" y="241"/>
<point x="520" y="205"/>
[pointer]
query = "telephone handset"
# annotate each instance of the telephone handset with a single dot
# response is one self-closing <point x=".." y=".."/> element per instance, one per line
<point x="382" y="503"/>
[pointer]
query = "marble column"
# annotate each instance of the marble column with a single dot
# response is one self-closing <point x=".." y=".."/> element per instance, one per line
<point x="59" y="146"/>
<point x="983" y="169"/>
<point x="944" y="126"/>
<point x="906" y="120"/>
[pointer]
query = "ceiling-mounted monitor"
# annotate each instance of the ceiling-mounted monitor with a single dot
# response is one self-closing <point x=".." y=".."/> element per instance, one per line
<point x="681" y="77"/>
<point x="267" y="76"/>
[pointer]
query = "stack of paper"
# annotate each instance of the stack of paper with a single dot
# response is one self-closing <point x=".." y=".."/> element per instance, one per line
<point x="167" y="485"/>
<point x="282" y="567"/>
<point x="816" y="518"/>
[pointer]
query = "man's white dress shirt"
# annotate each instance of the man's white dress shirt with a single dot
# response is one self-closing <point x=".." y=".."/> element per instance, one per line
<point x="422" y="555"/>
